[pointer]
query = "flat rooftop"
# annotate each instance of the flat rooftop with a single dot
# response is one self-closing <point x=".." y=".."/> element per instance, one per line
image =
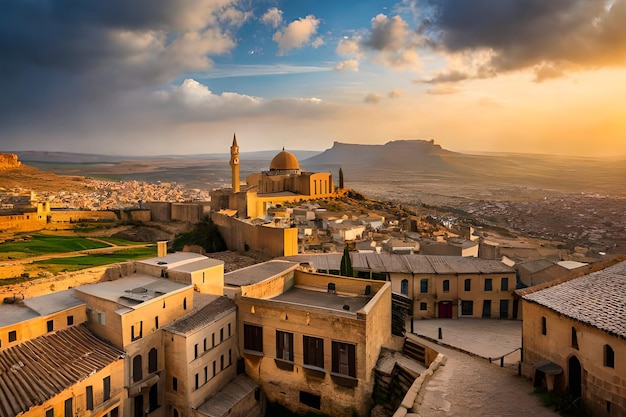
<point x="196" y="265"/>
<point x="132" y="290"/>
<point x="174" y="260"/>
<point x="258" y="273"/>
<point x="323" y="299"/>
<point x="37" y="306"/>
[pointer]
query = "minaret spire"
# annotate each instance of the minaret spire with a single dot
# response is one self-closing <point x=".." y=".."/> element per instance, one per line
<point x="234" y="164"/>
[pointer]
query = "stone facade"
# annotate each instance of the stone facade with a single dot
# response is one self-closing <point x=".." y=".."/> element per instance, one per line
<point x="574" y="338"/>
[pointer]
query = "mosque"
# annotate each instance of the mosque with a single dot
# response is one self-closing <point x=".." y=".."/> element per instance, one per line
<point x="285" y="182"/>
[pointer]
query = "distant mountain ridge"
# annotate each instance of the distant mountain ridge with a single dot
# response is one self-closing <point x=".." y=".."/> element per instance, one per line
<point x="397" y="152"/>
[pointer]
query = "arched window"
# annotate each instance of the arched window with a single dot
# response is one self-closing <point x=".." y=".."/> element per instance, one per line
<point x="609" y="357"/>
<point x="152" y="360"/>
<point x="404" y="287"/>
<point x="137" y="371"/>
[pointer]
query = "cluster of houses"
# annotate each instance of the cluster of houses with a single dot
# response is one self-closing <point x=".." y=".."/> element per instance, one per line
<point x="176" y="336"/>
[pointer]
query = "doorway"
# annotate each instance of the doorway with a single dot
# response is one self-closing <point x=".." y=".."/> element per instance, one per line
<point x="445" y="309"/>
<point x="574" y="372"/>
<point x="487" y="308"/>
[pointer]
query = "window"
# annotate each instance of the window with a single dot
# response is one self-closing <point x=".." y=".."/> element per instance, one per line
<point x="404" y="287"/>
<point x="424" y="286"/>
<point x="89" y="397"/>
<point x="69" y="408"/>
<point x="101" y="318"/>
<point x="312" y="400"/>
<point x="609" y="357"/>
<point x="152" y="360"/>
<point x="574" y="338"/>
<point x="70" y="320"/>
<point x="228" y="329"/>
<point x="106" y="388"/>
<point x="156" y="322"/>
<point x="504" y="284"/>
<point x="204" y="344"/>
<point x="252" y="338"/>
<point x="544" y="327"/>
<point x="195" y="350"/>
<point x="12" y="336"/>
<point x="221" y="335"/>
<point x="230" y="357"/>
<point x="467" y="308"/>
<point x="115" y="412"/>
<point x="488" y="285"/>
<point x="214" y="368"/>
<point x="284" y="346"/>
<point x="313" y="351"/>
<point x="50" y="412"/>
<point x="185" y="303"/>
<point x="221" y="362"/>
<point x="206" y="373"/>
<point x="137" y="371"/>
<point x="423" y="306"/>
<point x="446" y="285"/>
<point x="468" y="284"/>
<point x="197" y="381"/>
<point x="136" y="331"/>
<point x="344" y="359"/>
<point x="213" y="340"/>
<point x="174" y="384"/>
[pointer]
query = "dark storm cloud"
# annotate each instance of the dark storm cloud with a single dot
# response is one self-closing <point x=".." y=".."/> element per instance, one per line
<point x="548" y="35"/>
<point x="60" y="57"/>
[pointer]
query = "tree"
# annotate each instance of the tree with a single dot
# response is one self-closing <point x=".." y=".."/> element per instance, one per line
<point x="205" y="234"/>
<point x="346" y="264"/>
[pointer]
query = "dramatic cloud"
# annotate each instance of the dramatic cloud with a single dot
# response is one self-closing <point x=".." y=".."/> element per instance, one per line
<point x="68" y="54"/>
<point x="273" y="17"/>
<point x="347" y="65"/>
<point x="297" y="34"/>
<point x="547" y="37"/>
<point x="390" y="42"/>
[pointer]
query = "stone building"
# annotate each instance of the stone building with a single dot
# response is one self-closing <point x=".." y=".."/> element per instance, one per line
<point x="574" y="338"/>
<point x="311" y="340"/>
<point x="52" y="365"/>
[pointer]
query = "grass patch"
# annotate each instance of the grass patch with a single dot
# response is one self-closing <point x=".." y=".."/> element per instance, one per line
<point x="76" y="263"/>
<point x="564" y="405"/>
<point x="39" y="244"/>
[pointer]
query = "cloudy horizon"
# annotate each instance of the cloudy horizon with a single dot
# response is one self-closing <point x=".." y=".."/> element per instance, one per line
<point x="151" y="78"/>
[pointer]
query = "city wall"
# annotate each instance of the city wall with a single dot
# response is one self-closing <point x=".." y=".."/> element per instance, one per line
<point x="242" y="236"/>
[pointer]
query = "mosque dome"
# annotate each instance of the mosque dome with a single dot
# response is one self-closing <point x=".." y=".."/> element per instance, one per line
<point x="284" y="161"/>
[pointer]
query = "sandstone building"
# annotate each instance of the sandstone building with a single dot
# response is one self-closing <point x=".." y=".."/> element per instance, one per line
<point x="574" y="338"/>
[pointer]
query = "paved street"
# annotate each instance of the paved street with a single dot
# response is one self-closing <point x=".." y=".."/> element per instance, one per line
<point x="469" y="385"/>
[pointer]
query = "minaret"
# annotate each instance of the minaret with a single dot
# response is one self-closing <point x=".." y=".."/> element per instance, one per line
<point x="234" y="164"/>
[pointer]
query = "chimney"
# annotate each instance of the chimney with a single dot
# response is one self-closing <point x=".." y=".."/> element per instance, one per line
<point x="162" y="248"/>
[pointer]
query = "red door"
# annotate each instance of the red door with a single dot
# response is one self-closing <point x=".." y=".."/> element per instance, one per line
<point x="445" y="309"/>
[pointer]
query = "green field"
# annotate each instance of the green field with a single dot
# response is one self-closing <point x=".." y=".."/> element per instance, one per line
<point x="76" y="263"/>
<point x="28" y="246"/>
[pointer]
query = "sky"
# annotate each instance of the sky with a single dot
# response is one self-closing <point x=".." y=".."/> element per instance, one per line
<point x="156" y="77"/>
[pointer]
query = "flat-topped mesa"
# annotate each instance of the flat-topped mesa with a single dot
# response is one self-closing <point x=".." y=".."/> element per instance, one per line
<point x="9" y="161"/>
